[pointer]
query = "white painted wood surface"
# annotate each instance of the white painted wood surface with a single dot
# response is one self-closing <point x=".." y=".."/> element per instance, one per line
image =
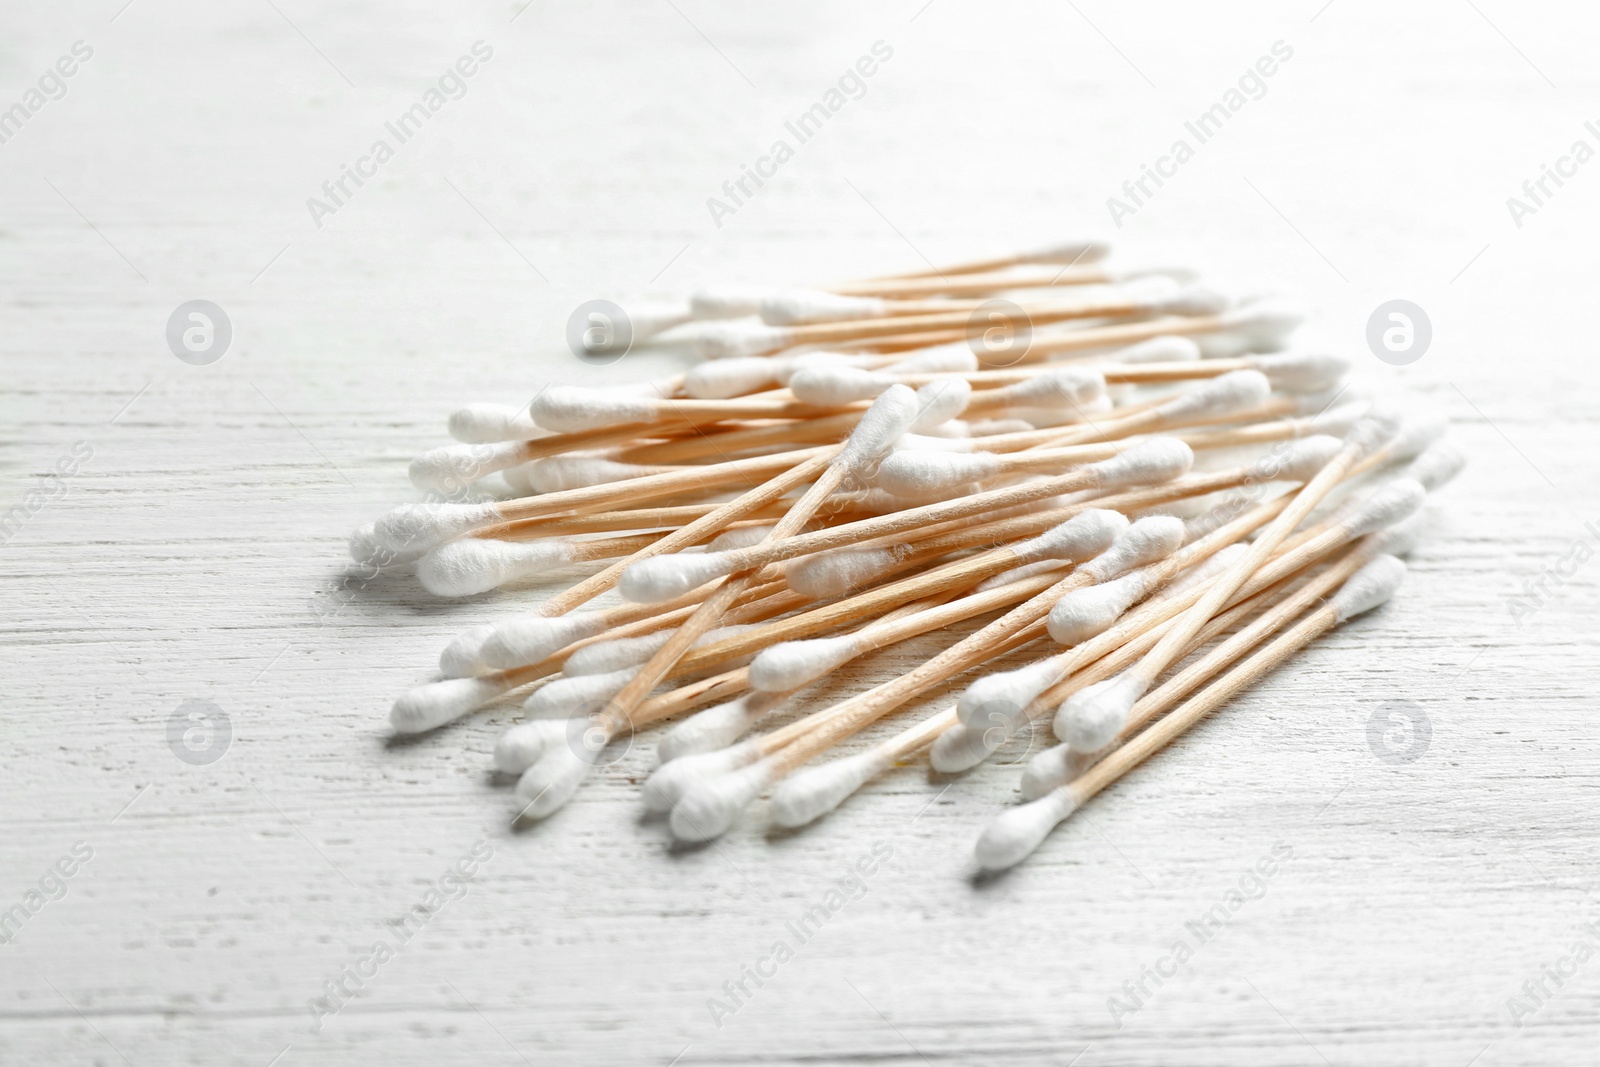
<point x="198" y="554"/>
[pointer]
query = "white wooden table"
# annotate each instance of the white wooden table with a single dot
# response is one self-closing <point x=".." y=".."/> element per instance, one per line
<point x="196" y="554"/>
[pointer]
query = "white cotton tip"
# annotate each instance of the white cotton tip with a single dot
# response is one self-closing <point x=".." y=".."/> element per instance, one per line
<point x="1301" y="372"/>
<point x="475" y="564"/>
<point x="462" y="657"/>
<point x="1397" y="500"/>
<point x="1079" y="253"/>
<point x="369" y="551"/>
<point x="788" y="366"/>
<point x="1190" y="300"/>
<point x="723" y="379"/>
<point x="668" y="782"/>
<point x="1259" y="326"/>
<point x="1159" y="459"/>
<point x="644" y="322"/>
<point x="734" y="340"/>
<point x="956" y="358"/>
<point x="729" y="301"/>
<point x="715" y="727"/>
<point x="890" y="415"/>
<point x="570" y="408"/>
<point x="995" y="427"/>
<point x="812" y="793"/>
<point x="529" y="639"/>
<point x="924" y="475"/>
<point x="1085" y="613"/>
<point x="831" y="574"/>
<point x="792" y="307"/>
<point x="1300" y="460"/>
<point x="555" y="776"/>
<point x="1039" y="418"/>
<point x="1401" y="538"/>
<point x="559" y="473"/>
<point x="1071" y="387"/>
<point x="1216" y="563"/>
<point x="1091" y="718"/>
<point x="603" y="657"/>
<point x="577" y="695"/>
<point x="939" y="402"/>
<point x="708" y="808"/>
<point x="1018" y="574"/>
<point x="1338" y="420"/>
<point x="1376" y="429"/>
<point x="1082" y="537"/>
<point x="1227" y="394"/>
<point x="1150" y="539"/>
<point x="740" y="537"/>
<point x="1049" y="770"/>
<point x="478" y="424"/>
<point x="1170" y="349"/>
<point x="1015" y="833"/>
<point x="792" y="664"/>
<point x="1436" y="467"/>
<point x="410" y="527"/>
<point x="831" y="385"/>
<point x="963" y="747"/>
<point x="453" y="466"/>
<point x="1415" y="437"/>
<point x="1368" y="587"/>
<point x="921" y="442"/>
<point x="1004" y="695"/>
<point x="426" y="707"/>
<point x="521" y="746"/>
<point x="659" y="578"/>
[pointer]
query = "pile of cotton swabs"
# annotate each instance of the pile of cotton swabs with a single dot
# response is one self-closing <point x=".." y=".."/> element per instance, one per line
<point x="1138" y="494"/>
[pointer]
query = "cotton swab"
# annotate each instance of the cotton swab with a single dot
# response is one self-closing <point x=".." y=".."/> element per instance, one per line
<point x="1013" y="835"/>
<point x="788" y="506"/>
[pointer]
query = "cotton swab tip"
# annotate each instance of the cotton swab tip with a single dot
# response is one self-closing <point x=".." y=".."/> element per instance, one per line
<point x="792" y="664"/>
<point x="474" y="565"/>
<point x="1091" y="718"/>
<point x="1014" y="834"/>
<point x="1368" y="588"/>
<point x="812" y="793"/>
<point x="661" y="578"/>
<point x="427" y="707"/>
<point x="708" y="809"/>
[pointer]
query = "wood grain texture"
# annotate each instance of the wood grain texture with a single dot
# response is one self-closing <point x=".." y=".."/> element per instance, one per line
<point x="199" y="554"/>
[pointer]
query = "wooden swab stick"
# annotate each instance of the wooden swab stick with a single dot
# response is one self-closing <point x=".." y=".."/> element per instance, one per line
<point x="976" y="283"/>
<point x="549" y="783"/>
<point x="1017" y="832"/>
<point x="1071" y="254"/>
